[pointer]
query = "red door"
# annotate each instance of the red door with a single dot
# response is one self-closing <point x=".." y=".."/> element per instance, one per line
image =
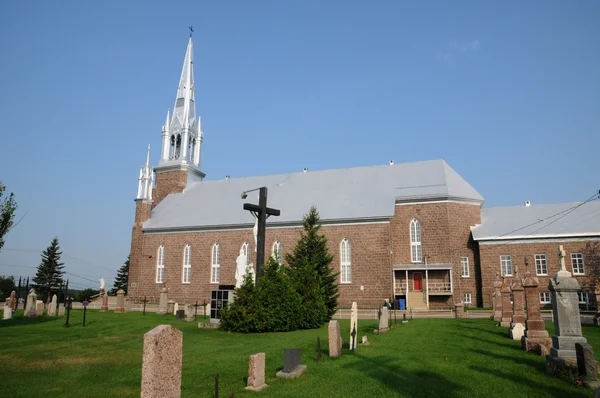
<point x="417" y="281"/>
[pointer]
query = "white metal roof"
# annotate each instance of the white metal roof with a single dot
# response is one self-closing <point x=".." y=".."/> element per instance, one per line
<point x="360" y="193"/>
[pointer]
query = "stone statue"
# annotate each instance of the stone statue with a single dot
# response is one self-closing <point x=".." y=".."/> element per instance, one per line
<point x="240" y="268"/>
<point x="101" y="284"/>
<point x="561" y="258"/>
<point x="255" y="231"/>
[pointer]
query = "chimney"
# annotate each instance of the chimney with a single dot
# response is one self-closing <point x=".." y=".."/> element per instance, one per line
<point x="527" y="203"/>
<point x="391" y="162"/>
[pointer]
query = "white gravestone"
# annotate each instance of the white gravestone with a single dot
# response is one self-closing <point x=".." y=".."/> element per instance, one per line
<point x="517" y="331"/>
<point x="7" y="311"/>
<point x="353" y="325"/>
<point x="176" y="308"/>
<point x="52" y="306"/>
<point x="30" y="304"/>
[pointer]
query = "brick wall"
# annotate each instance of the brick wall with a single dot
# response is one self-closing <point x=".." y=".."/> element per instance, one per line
<point x="168" y="182"/>
<point x="526" y="251"/>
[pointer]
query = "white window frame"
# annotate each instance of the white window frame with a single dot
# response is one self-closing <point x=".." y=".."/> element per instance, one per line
<point x="160" y="264"/>
<point x="505" y="262"/>
<point x="577" y="264"/>
<point x="464" y="265"/>
<point x="246" y="251"/>
<point x="187" y="264"/>
<point x="541" y="264"/>
<point x="278" y="252"/>
<point x="215" y="269"/>
<point x="583" y="295"/>
<point x="345" y="261"/>
<point x="467" y="298"/>
<point x="416" y="248"/>
<point x="545" y="298"/>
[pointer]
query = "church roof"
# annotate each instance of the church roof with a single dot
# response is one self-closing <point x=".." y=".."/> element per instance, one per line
<point x="539" y="221"/>
<point x="341" y="195"/>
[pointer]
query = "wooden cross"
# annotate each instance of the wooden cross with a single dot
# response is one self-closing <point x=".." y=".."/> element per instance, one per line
<point x="191" y="30"/>
<point x="262" y="212"/>
<point x="196" y="309"/>
<point x="144" y="301"/>
<point x="561" y="258"/>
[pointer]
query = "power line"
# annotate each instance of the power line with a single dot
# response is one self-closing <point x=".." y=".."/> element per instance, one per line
<point x="595" y="196"/>
<point x="63" y="254"/>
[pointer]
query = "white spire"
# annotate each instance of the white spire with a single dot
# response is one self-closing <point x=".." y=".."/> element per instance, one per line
<point x="185" y="107"/>
<point x="145" y="180"/>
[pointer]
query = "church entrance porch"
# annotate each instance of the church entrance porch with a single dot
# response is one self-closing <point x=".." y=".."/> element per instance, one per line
<point x="416" y="284"/>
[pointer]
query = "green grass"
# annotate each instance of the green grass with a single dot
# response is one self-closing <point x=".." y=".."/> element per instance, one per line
<point x="426" y="357"/>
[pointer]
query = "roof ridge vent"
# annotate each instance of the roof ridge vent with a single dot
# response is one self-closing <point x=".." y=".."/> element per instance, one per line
<point x="392" y="162"/>
<point x="305" y="170"/>
<point x="227" y="177"/>
<point x="527" y="203"/>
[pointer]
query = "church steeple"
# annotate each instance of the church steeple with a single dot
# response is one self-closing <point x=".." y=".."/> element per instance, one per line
<point x="181" y="132"/>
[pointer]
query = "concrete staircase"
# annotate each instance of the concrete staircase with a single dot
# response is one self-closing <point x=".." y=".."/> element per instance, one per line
<point x="416" y="301"/>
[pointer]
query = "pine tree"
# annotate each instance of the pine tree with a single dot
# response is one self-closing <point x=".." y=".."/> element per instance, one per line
<point x="122" y="278"/>
<point x="48" y="278"/>
<point x="311" y="250"/>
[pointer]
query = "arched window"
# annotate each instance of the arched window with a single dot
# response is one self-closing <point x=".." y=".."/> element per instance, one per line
<point x="346" y="261"/>
<point x="160" y="265"/>
<point x="246" y="251"/>
<point x="278" y="251"/>
<point x="215" y="273"/>
<point x="415" y="241"/>
<point x="187" y="263"/>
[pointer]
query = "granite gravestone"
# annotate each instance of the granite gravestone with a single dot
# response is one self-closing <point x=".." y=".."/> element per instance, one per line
<point x="291" y="363"/>
<point x="497" y="299"/>
<point x="256" y="372"/>
<point x="162" y="362"/>
<point x="536" y="336"/>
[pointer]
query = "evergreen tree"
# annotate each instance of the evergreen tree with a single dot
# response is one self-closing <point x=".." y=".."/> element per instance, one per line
<point x="7" y="213"/>
<point x="311" y="250"/>
<point x="122" y="278"/>
<point x="48" y="278"/>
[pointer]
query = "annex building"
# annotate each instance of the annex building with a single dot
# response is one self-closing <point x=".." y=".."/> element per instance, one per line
<point x="411" y="231"/>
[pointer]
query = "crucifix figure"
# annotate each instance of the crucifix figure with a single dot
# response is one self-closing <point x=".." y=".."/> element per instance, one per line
<point x="561" y="258"/>
<point x="261" y="212"/>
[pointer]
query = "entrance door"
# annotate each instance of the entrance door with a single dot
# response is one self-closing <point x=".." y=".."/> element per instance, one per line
<point x="417" y="281"/>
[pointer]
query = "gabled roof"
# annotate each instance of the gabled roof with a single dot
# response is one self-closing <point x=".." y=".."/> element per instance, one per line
<point x="540" y="221"/>
<point x="351" y="194"/>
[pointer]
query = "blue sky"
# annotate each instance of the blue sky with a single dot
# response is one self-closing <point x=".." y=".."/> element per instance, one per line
<point x="506" y="92"/>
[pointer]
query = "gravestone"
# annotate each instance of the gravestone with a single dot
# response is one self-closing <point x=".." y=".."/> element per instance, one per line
<point x="353" y="325"/>
<point x="518" y="317"/>
<point x="61" y="310"/>
<point x="497" y="299"/>
<point x="586" y="364"/>
<point x="335" y="339"/>
<point x="189" y="312"/>
<point x="384" y="320"/>
<point x="256" y="372"/>
<point x="104" y="306"/>
<point x="506" y="306"/>
<point x="175" y="308"/>
<point x="459" y="310"/>
<point x="365" y="341"/>
<point x="13" y="300"/>
<point x="52" y="306"/>
<point x="180" y="315"/>
<point x="120" y="301"/>
<point x="30" y="305"/>
<point x="291" y="364"/>
<point x="161" y="363"/>
<point x="171" y="307"/>
<point x="567" y="321"/>
<point x="128" y="304"/>
<point x="536" y="336"/>
<point x="163" y="302"/>
<point x="39" y="308"/>
<point x="517" y="332"/>
<point x="8" y="312"/>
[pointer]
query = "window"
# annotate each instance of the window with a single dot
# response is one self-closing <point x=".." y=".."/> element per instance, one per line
<point x="215" y="273"/>
<point x="541" y="266"/>
<point x="464" y="263"/>
<point x="582" y="297"/>
<point x="160" y="265"/>
<point x="415" y="241"/>
<point x="246" y="251"/>
<point x="467" y="298"/>
<point x="346" y="261"/>
<point x="277" y="251"/>
<point x="544" y="297"/>
<point x="506" y="265"/>
<point x="577" y="262"/>
<point x="187" y="263"/>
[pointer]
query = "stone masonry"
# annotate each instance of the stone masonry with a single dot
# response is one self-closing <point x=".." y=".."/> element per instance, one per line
<point x="497" y="299"/>
<point x="536" y="336"/>
<point x="506" y="305"/>
<point x="162" y="362"/>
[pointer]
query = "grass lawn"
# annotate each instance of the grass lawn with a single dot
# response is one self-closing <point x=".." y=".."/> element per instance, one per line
<point x="426" y="357"/>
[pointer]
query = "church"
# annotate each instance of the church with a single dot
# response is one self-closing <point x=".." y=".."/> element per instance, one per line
<point x="412" y="233"/>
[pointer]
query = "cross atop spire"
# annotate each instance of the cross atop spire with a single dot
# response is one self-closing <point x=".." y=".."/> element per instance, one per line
<point x="191" y="30"/>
